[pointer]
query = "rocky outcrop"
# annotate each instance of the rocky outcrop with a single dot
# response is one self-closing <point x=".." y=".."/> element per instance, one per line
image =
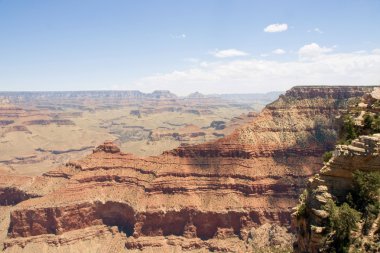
<point x="16" y="188"/>
<point x="64" y="243"/>
<point x="108" y="147"/>
<point x="333" y="182"/>
<point x="334" y="92"/>
<point x="198" y="195"/>
<point x="50" y="128"/>
<point x="165" y="199"/>
<point x="300" y="123"/>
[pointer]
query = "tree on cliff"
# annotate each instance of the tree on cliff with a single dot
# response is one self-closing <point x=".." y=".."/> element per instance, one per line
<point x="349" y="129"/>
<point x="367" y="187"/>
<point x="342" y="221"/>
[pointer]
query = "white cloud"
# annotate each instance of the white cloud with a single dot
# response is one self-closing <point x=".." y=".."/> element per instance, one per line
<point x="312" y="50"/>
<point x="228" y="53"/>
<point x="179" y="36"/>
<point x="274" y="28"/>
<point x="261" y="75"/>
<point x="279" y="51"/>
<point x="376" y="51"/>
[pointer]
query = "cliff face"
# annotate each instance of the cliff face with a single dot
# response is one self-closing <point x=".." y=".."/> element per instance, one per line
<point x="334" y="92"/>
<point x="213" y="196"/>
<point x="339" y="182"/>
<point x="299" y="123"/>
<point x="334" y="182"/>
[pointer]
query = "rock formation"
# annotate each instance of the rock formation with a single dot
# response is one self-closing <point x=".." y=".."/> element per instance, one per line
<point x="335" y="183"/>
<point x="47" y="129"/>
<point x="211" y="196"/>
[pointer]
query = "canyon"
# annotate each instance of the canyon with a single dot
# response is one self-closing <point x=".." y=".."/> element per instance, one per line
<point x="42" y="130"/>
<point x="232" y="194"/>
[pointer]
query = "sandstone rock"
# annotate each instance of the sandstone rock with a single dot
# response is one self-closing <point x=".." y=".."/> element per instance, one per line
<point x="108" y="147"/>
<point x="334" y="181"/>
<point x="205" y="196"/>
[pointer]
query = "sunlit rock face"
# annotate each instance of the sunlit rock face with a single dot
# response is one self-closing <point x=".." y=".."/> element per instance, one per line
<point x="212" y="196"/>
<point x="334" y="181"/>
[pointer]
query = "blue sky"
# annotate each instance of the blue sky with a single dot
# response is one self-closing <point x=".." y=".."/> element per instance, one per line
<point x="209" y="46"/>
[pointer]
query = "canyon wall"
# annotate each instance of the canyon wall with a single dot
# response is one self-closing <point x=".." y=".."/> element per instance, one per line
<point x="333" y="182"/>
<point x="338" y="182"/>
<point x="196" y="196"/>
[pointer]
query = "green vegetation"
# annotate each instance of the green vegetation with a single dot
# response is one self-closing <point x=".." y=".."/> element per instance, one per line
<point x="376" y="124"/>
<point x="350" y="131"/>
<point x="361" y="203"/>
<point x="376" y="105"/>
<point x="301" y="208"/>
<point x="367" y="121"/>
<point x="367" y="189"/>
<point x="371" y="124"/>
<point x="365" y="197"/>
<point x="327" y="156"/>
<point x="342" y="220"/>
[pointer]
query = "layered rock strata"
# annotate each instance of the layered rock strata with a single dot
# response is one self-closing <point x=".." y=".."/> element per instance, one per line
<point x="334" y="182"/>
<point x="218" y="190"/>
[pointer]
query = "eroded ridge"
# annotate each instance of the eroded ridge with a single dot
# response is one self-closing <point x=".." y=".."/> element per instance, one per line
<point x="222" y="189"/>
<point x="334" y="181"/>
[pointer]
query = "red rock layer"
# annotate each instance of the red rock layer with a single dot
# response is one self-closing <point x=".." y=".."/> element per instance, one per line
<point x="219" y="189"/>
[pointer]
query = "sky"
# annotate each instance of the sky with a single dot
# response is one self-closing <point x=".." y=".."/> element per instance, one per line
<point x="210" y="46"/>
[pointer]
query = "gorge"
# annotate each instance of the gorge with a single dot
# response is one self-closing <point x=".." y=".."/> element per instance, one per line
<point x="234" y="194"/>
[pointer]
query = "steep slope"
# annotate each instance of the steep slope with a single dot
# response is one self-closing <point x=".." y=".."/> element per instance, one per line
<point x="339" y="210"/>
<point x="207" y="197"/>
<point x="335" y="182"/>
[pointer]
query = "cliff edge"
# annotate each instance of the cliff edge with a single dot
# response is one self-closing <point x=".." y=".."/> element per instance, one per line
<point x="220" y="196"/>
<point x="339" y="210"/>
